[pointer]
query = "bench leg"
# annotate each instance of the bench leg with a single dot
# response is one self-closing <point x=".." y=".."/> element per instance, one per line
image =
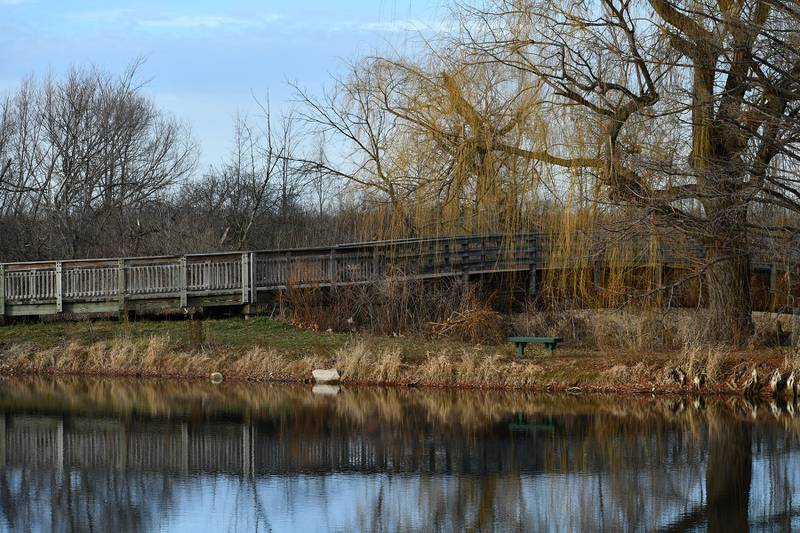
<point x="520" y="350"/>
<point x="551" y="348"/>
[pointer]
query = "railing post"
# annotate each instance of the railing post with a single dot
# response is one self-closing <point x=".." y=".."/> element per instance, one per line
<point x="183" y="281"/>
<point x="332" y="267"/>
<point x="245" y="278"/>
<point x="2" y="292"/>
<point x="252" y="270"/>
<point x="59" y="287"/>
<point x="121" y="288"/>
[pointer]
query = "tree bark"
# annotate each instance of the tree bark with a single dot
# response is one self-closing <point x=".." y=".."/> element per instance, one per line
<point x="728" y="276"/>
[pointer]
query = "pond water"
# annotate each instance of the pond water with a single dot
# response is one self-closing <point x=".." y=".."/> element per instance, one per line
<point x="124" y="455"/>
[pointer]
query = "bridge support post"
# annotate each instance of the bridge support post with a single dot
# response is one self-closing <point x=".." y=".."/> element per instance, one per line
<point x="182" y="281"/>
<point x="532" y="281"/>
<point x="59" y="287"/>
<point x="121" y="288"/>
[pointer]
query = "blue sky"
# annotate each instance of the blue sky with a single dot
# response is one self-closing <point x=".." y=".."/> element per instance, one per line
<point x="204" y="60"/>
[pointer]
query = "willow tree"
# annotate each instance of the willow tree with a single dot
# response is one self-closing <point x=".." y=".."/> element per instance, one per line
<point x="409" y="150"/>
<point x="686" y="110"/>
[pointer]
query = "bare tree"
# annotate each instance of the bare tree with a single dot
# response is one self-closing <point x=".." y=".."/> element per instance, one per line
<point x="87" y="153"/>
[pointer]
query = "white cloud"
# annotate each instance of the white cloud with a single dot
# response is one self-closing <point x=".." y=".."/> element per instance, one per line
<point x="207" y="21"/>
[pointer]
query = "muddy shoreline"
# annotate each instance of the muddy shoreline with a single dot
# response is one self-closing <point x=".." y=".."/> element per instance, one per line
<point x="505" y="376"/>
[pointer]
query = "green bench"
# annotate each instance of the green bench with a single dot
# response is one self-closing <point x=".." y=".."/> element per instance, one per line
<point x="549" y="342"/>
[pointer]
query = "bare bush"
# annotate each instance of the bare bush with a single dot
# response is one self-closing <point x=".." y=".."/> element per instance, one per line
<point x="398" y="305"/>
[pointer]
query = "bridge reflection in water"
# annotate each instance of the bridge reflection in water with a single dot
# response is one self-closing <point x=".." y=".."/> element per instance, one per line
<point x="96" y="455"/>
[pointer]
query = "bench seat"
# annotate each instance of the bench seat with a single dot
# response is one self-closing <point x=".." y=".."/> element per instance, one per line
<point x="520" y="342"/>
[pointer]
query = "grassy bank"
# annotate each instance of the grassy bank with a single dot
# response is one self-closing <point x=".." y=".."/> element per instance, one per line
<point x="266" y="349"/>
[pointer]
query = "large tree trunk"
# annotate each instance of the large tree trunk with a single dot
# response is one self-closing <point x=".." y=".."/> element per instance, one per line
<point x="728" y="276"/>
<point x="728" y="476"/>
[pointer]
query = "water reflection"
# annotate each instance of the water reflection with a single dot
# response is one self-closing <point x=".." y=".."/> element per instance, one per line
<point x="83" y="455"/>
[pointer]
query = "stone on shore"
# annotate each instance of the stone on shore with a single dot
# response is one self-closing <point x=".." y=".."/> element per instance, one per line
<point x="326" y="375"/>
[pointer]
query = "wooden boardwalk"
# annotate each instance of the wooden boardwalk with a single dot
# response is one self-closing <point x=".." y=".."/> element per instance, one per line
<point x="195" y="281"/>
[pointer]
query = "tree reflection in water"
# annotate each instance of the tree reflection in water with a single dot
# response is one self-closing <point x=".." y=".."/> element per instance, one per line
<point x="83" y="455"/>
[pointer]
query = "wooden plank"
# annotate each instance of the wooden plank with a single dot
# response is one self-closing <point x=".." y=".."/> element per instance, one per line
<point x="182" y="279"/>
<point x="30" y="309"/>
<point x="245" y="278"/>
<point x="59" y="287"/>
<point x="251" y="261"/>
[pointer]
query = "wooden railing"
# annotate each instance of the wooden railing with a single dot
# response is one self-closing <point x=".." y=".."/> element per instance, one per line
<point x="242" y="278"/>
<point x="108" y="285"/>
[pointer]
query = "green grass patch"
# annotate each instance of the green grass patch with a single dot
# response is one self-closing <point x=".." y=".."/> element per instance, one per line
<point x="235" y="333"/>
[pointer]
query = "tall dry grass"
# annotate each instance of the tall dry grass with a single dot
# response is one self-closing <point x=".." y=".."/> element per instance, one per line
<point x="157" y="356"/>
<point x="706" y="361"/>
<point x="643" y="329"/>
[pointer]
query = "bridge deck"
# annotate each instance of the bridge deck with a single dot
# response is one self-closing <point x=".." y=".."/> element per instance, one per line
<point x="150" y="284"/>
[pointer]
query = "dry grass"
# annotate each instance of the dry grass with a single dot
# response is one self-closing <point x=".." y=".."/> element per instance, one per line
<point x="791" y="360"/>
<point x="640" y="329"/>
<point x="623" y="364"/>
<point x="703" y="360"/>
<point x="357" y="362"/>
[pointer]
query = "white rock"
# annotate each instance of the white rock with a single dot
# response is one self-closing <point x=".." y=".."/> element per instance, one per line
<point x="216" y="378"/>
<point x="325" y="390"/>
<point x="326" y="375"/>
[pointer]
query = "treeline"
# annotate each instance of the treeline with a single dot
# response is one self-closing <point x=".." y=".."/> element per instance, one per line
<point x="89" y="167"/>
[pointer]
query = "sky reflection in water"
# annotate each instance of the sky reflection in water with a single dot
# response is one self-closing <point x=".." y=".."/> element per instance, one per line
<point x="123" y="455"/>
